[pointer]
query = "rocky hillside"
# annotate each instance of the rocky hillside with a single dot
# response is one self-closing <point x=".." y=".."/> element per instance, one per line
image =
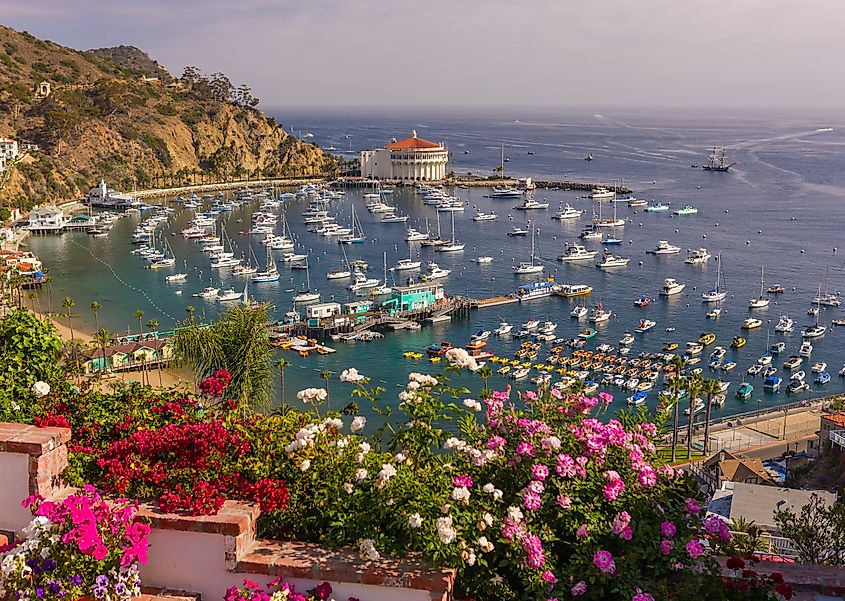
<point x="102" y="119"/>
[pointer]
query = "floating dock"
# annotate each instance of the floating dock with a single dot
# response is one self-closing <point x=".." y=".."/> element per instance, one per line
<point x="496" y="301"/>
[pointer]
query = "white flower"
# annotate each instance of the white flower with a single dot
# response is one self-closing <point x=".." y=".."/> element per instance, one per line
<point x="358" y="423"/>
<point x="496" y="580"/>
<point x="40" y="389"/>
<point x="367" y="549"/>
<point x="423" y="380"/>
<point x="413" y="386"/>
<point x="461" y="493"/>
<point x="445" y="531"/>
<point x="333" y="423"/>
<point x="351" y="375"/>
<point x="365" y="447"/>
<point x="342" y="443"/>
<point x="386" y="473"/>
<point x="497" y="495"/>
<point x="535" y="486"/>
<point x="305" y="465"/>
<point x="470" y="557"/>
<point x="515" y="513"/>
<point x="446" y="508"/>
<point x="312" y="395"/>
<point x="485" y="545"/>
<point x="400" y="457"/>
<point x="472" y="404"/>
<point x="15" y="406"/>
<point x="415" y="520"/>
<point x="459" y="357"/>
<point x="361" y="475"/>
<point x="347" y="487"/>
<point x="488" y="519"/>
<point x="488" y="488"/>
<point x="454" y="443"/>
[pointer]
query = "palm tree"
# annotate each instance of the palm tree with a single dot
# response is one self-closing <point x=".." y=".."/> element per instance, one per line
<point x="67" y="305"/>
<point x="190" y="311"/>
<point x="326" y="375"/>
<point x="675" y="385"/>
<point x="281" y="364"/>
<point x="153" y="326"/>
<point x="694" y="387"/>
<point x="139" y="315"/>
<point x="95" y="307"/>
<point x="236" y="342"/>
<point x="711" y="389"/>
<point x="102" y="337"/>
<point x="485" y="373"/>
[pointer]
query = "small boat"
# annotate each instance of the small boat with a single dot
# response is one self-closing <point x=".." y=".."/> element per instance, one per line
<point x="520" y="373"/>
<point x="793" y="362"/>
<point x="777" y="348"/>
<point x="483" y="260"/>
<point x="813" y="331"/>
<point x="208" y="292"/>
<point x="229" y="295"/>
<point x="176" y="277"/>
<point x="591" y="232"/>
<point x="610" y="261"/>
<point x="707" y="338"/>
<point x="818" y="367"/>
<point x="686" y="210"/>
<point x="664" y="248"/>
<point x="796" y="386"/>
<point x="697" y="257"/>
<point x="714" y="313"/>
<point x="806" y="349"/>
<point x="480" y="335"/>
<point x="627" y="339"/>
<point x="744" y="391"/>
<point x="754" y="370"/>
<point x="517" y="231"/>
<point x="738" y="342"/>
<point x="503" y="329"/>
<point x="638" y="398"/>
<point x="576" y="252"/>
<point x="776" y="289"/>
<point x="670" y="346"/>
<point x="822" y="378"/>
<point x="587" y="334"/>
<point x="798" y="375"/>
<point x="643" y="301"/>
<point x="612" y="242"/>
<point x="728" y="365"/>
<point x="698" y="406"/>
<point x="671" y="286"/>
<point x="751" y="323"/>
<point x="656" y="207"/>
<point x="837" y="322"/>
<point x="579" y="312"/>
<point x="644" y="326"/>
<point x="784" y="324"/>
<point x="481" y="216"/>
<point x="772" y="383"/>
<point x="600" y="314"/>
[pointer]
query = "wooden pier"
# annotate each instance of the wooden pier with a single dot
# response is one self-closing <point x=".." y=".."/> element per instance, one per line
<point x="496" y="301"/>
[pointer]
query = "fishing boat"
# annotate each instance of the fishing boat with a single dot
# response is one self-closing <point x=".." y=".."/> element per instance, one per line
<point x="644" y="326"/>
<point x="671" y="286"/>
<point x="532" y="266"/>
<point x="751" y="323"/>
<point x="686" y="210"/>
<point x="697" y="256"/>
<point x="719" y="293"/>
<point x="717" y="161"/>
<point x="576" y="252"/>
<point x="738" y="342"/>
<point x="761" y="301"/>
<point x="610" y="261"/>
<point x="664" y="248"/>
<point x="504" y="329"/>
<point x="784" y="324"/>
<point x="567" y="212"/>
<point x="656" y="207"/>
<point x="744" y="391"/>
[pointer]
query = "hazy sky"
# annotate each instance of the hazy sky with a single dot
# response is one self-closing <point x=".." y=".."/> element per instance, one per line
<point x="477" y="52"/>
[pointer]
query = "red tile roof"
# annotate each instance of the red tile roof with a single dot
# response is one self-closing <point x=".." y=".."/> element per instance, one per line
<point x="413" y="143"/>
<point x="837" y="418"/>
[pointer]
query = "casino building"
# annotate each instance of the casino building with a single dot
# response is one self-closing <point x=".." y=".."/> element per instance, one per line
<point x="409" y="159"/>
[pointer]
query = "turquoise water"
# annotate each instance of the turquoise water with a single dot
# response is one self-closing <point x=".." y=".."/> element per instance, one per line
<point x="779" y="207"/>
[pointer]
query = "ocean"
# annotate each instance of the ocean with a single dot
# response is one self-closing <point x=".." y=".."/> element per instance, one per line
<point x="779" y="208"/>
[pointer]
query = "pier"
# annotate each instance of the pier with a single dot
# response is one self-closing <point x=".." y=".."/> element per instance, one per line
<point x="495" y="301"/>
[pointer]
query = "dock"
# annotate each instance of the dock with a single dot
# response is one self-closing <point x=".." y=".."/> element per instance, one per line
<point x="496" y="301"/>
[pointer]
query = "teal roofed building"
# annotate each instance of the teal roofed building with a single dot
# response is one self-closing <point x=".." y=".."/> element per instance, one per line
<point x="414" y="297"/>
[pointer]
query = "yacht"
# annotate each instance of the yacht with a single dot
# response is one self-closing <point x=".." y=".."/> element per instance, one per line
<point x="229" y="295"/>
<point x="504" y="329"/>
<point x="208" y="292"/>
<point x="529" y="204"/>
<point x="338" y="273"/>
<point x="483" y="260"/>
<point x="571" y="290"/>
<point x="672" y="286"/>
<point x="762" y="300"/>
<point x="576" y="252"/>
<point x="391" y="218"/>
<point x="827" y="300"/>
<point x="567" y="212"/>
<point x="664" y="248"/>
<point x="407" y="264"/>
<point x="362" y="282"/>
<point x="656" y="208"/>
<point x="413" y="235"/>
<point x="610" y="261"/>
<point x="479" y="216"/>
<point x="599" y="314"/>
<point x="686" y="210"/>
<point x="718" y="293"/>
<point x="435" y="272"/>
<point x="697" y="257"/>
<point x="591" y="232"/>
<point x="751" y="323"/>
<point x="505" y="192"/>
<point x="578" y="312"/>
<point x="225" y="262"/>
<point x="813" y="331"/>
<point x="601" y="192"/>
<point x="517" y="231"/>
<point x="176" y="277"/>
<point x="784" y="324"/>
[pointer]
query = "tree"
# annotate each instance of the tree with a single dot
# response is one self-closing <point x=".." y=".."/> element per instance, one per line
<point x="485" y="373"/>
<point x="153" y="326"/>
<point x="67" y="305"/>
<point x="694" y="386"/>
<point x="95" y="307"/>
<point x="236" y="342"/>
<point x="281" y="364"/>
<point x="675" y="385"/>
<point x="102" y="338"/>
<point x="139" y="314"/>
<point x="817" y="531"/>
<point x="190" y="311"/>
<point x="326" y="375"/>
<point x="711" y="389"/>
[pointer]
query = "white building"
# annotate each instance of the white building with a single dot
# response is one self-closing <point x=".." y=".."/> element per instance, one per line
<point x="409" y="159"/>
<point x="47" y="219"/>
<point x="8" y="150"/>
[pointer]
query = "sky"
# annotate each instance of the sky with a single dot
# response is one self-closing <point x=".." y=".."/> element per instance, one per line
<point x="359" y="53"/>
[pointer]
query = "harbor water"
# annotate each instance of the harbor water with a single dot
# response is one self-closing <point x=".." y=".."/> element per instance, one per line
<point x="779" y="207"/>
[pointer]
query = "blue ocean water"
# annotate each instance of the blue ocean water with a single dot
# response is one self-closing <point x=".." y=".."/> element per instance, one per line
<point x="779" y="207"/>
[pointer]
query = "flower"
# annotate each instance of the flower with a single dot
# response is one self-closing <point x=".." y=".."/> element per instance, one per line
<point x="692" y="507"/>
<point x="386" y="472"/>
<point x="348" y="487"/>
<point x="445" y="531"/>
<point x="367" y="549"/>
<point x="641" y="596"/>
<point x="312" y="395"/>
<point x="564" y="501"/>
<point x="305" y="465"/>
<point x="361" y="475"/>
<point x="485" y="545"/>
<point x="666" y="546"/>
<point x="668" y="529"/>
<point x="540" y="472"/>
<point x="736" y="563"/>
<point x="351" y="375"/>
<point x="458" y="357"/>
<point x="579" y="589"/>
<point x="695" y="549"/>
<point x="603" y="560"/>
<point x="583" y="531"/>
<point x="41" y="389"/>
<point x="460" y="493"/>
<point x="415" y="520"/>
<point x="324" y="591"/>
<point x="358" y="423"/>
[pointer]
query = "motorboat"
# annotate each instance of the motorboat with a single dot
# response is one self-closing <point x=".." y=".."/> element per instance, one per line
<point x="642" y="301"/>
<point x="822" y="378"/>
<point x="744" y="391"/>
<point x="656" y="207"/>
<point x="407" y="265"/>
<point x="627" y="339"/>
<point x="480" y="216"/>
<point x="567" y="212"/>
<point x="505" y="192"/>
<point x="208" y="292"/>
<point x="738" y="342"/>
<point x="784" y="324"/>
<point x="587" y="333"/>
<point x="338" y="273"/>
<point x="483" y="260"/>
<point x="579" y="312"/>
<point x="644" y="326"/>
<point x="686" y="210"/>
<point x="698" y="406"/>
<point x="728" y="365"/>
<point x="818" y="367"/>
<point x="362" y="282"/>
<point x="612" y="241"/>
<point x="529" y="204"/>
<point x="707" y="338"/>
<point x="504" y="329"/>
<point x="520" y="373"/>
<point x="435" y="272"/>
<point x="714" y="313"/>
<point x="412" y="235"/>
<point x="698" y="256"/>
<point x="540" y="289"/>
<point x="777" y="348"/>
<point x="796" y="386"/>
<point x="517" y="231"/>
<point x="793" y="362"/>
<point x="764" y="360"/>
<point x="671" y="287"/>
<point x="176" y="277"/>
<point x="638" y="398"/>
<point x="637" y="202"/>
<point x="694" y="348"/>
<point x="601" y="192"/>
<point x="664" y="248"/>
<point x="480" y="335"/>
<point x="772" y="383"/>
<point x="591" y="232"/>
<point x="798" y="375"/>
<point x="775" y="289"/>
<point x="531" y="325"/>
<point x="229" y="295"/>
<point x="576" y="252"/>
<point x="610" y="261"/>
<point x="814" y="331"/>
<point x="751" y="323"/>
<point x="573" y="290"/>
<point x="599" y="314"/>
<point x="806" y="349"/>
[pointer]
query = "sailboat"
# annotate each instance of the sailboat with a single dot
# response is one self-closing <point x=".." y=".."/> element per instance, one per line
<point x="225" y="258"/>
<point x="717" y="162"/>
<point x="453" y="245"/>
<point x="384" y="288"/>
<point x="407" y="264"/>
<point x="339" y="273"/>
<point x="532" y="266"/>
<point x="827" y="299"/>
<point x="270" y="273"/>
<point x="307" y="295"/>
<point x="718" y="293"/>
<point x="438" y="241"/>
<point x="608" y="222"/>
<point x="762" y="300"/>
<point x="357" y="235"/>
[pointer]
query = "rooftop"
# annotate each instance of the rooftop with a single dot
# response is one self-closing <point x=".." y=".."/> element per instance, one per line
<point x="757" y="502"/>
<point x="737" y="470"/>
<point x="413" y="143"/>
<point x="837" y="418"/>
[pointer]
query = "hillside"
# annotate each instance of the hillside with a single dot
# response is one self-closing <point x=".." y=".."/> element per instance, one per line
<point x="102" y="119"/>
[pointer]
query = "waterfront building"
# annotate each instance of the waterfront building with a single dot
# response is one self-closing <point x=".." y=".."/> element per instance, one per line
<point x="412" y="159"/>
<point x="47" y="219"/>
<point x="103" y="196"/>
<point x="414" y="297"/>
<point x="319" y="311"/>
<point x="25" y="262"/>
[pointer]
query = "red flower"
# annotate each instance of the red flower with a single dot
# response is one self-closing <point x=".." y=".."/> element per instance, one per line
<point x="324" y="591"/>
<point x="776" y="577"/>
<point x="742" y="586"/>
<point x="784" y="590"/>
<point x="735" y="563"/>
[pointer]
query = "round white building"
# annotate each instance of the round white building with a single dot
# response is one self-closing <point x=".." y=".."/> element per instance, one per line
<point x="409" y="159"/>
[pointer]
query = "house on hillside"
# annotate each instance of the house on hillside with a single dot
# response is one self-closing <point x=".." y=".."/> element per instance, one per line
<point x="832" y="431"/>
<point x="42" y="90"/>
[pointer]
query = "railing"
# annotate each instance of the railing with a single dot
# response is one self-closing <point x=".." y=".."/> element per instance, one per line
<point x="772" y="545"/>
<point x="837" y="437"/>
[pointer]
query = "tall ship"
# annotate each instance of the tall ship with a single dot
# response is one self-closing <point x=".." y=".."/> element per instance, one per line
<point x="717" y="161"/>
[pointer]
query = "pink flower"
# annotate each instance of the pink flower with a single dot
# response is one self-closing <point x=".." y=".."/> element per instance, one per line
<point x="529" y="395"/>
<point x="579" y="589"/>
<point x="462" y="481"/>
<point x="532" y="501"/>
<point x="533" y="548"/>
<point x="606" y="398"/>
<point x="496" y="442"/>
<point x="693" y="508"/>
<point x="564" y="501"/>
<point x="324" y="591"/>
<point x="695" y="549"/>
<point x="525" y="448"/>
<point x="603" y="560"/>
<point x="614" y="487"/>
<point x="540" y="472"/>
<point x="565" y="466"/>
<point x="666" y="546"/>
<point x="648" y="477"/>
<point x="620" y="522"/>
<point x="583" y="531"/>
<point x="548" y="577"/>
<point x="641" y="596"/>
<point x="668" y="529"/>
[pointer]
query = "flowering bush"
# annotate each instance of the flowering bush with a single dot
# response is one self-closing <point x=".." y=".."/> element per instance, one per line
<point x="279" y="590"/>
<point x="748" y="584"/>
<point x="79" y="546"/>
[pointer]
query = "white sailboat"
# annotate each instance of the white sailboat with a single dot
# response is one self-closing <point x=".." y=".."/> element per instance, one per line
<point x="718" y="293"/>
<point x="357" y="234"/>
<point x="307" y="295"/>
<point x="340" y="273"/>
<point x="384" y="288"/>
<point x="762" y="300"/>
<point x="407" y="264"/>
<point x="453" y="245"/>
<point x="270" y="273"/>
<point x="533" y="266"/>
